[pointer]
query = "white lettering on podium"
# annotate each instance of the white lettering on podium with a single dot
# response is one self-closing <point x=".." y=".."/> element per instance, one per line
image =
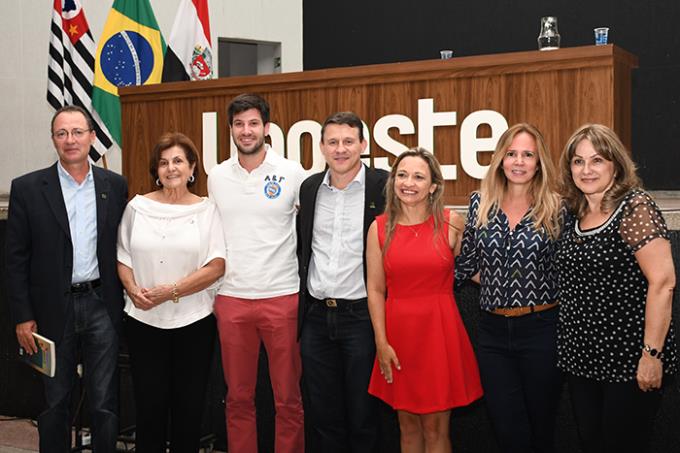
<point x="382" y="138"/>
<point x="470" y="144"/>
<point x="209" y="140"/>
<point x="295" y="133"/>
<point x="428" y="119"/>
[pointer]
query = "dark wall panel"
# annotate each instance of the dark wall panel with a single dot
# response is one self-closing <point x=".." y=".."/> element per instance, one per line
<point x="359" y="32"/>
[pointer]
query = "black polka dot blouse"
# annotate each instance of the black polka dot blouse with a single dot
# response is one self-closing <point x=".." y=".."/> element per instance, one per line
<point x="603" y="293"/>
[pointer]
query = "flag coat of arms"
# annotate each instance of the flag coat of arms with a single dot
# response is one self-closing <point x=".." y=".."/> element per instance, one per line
<point x="70" y="67"/>
<point x="189" y="54"/>
<point x="130" y="52"/>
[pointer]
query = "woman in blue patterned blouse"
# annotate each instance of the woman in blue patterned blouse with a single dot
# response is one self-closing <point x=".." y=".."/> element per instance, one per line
<point x="616" y="341"/>
<point x="509" y="248"/>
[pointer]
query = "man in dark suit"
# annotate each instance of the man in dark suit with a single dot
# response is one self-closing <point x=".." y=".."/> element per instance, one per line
<point x="62" y="282"/>
<point x="336" y="337"/>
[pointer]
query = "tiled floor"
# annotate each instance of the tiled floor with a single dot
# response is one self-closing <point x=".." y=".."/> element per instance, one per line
<point x="17" y="436"/>
<point x="4" y="449"/>
<point x="21" y="436"/>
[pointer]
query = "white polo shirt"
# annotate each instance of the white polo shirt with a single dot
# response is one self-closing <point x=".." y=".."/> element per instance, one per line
<point x="258" y="212"/>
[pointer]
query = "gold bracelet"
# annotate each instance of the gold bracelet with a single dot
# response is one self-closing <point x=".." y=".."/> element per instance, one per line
<point x="653" y="352"/>
<point x="175" y="293"/>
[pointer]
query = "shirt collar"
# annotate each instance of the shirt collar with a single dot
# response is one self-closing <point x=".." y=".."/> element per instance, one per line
<point x="359" y="179"/>
<point x="270" y="158"/>
<point x="66" y="176"/>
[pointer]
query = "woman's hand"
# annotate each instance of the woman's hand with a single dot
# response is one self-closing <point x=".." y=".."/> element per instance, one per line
<point x="139" y="299"/>
<point x="159" y="294"/>
<point x="387" y="357"/>
<point x="649" y="373"/>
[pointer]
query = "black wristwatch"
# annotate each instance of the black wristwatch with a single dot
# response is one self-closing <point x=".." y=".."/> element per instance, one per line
<point x="652" y="352"/>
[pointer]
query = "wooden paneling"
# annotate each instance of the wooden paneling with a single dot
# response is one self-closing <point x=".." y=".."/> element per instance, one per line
<point x="557" y="91"/>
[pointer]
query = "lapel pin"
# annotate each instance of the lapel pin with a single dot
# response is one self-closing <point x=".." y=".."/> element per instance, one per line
<point x="371" y="205"/>
<point x="103" y="196"/>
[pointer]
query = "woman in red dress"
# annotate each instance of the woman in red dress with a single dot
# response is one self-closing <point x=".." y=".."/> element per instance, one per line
<point x="424" y="361"/>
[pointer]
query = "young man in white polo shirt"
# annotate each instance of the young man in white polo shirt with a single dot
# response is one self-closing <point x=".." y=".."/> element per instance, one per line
<point x="256" y="192"/>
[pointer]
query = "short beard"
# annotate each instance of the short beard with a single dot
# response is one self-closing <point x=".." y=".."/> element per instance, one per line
<point x="255" y="149"/>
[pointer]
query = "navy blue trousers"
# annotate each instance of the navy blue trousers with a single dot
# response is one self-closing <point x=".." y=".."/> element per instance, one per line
<point x="90" y="333"/>
<point x="338" y="351"/>
<point x="522" y="384"/>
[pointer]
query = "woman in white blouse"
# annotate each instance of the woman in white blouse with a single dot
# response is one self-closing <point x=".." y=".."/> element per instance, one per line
<point x="171" y="256"/>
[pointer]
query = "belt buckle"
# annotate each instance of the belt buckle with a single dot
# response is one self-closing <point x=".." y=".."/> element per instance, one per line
<point x="331" y="303"/>
<point x="80" y="287"/>
<point x="509" y="312"/>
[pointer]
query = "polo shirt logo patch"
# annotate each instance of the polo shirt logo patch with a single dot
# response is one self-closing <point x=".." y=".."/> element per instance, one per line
<point x="272" y="186"/>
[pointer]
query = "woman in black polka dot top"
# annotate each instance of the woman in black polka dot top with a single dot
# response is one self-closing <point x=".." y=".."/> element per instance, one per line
<point x="616" y="274"/>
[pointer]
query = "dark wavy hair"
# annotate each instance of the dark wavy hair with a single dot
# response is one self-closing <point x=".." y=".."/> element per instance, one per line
<point x="168" y="140"/>
<point x="248" y="101"/>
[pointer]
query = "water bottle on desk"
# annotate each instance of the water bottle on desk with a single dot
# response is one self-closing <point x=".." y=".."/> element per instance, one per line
<point x="549" y="38"/>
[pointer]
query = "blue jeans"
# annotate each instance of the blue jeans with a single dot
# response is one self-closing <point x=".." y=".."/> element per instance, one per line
<point x="518" y="365"/>
<point x="90" y="332"/>
<point x="338" y="351"/>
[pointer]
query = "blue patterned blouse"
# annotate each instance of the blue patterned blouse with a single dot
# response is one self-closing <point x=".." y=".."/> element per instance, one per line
<point x="517" y="268"/>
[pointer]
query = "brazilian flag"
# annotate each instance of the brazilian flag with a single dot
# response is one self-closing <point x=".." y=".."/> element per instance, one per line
<point x="130" y="52"/>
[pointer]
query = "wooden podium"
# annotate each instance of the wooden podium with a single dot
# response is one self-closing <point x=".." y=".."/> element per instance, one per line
<point x="406" y="104"/>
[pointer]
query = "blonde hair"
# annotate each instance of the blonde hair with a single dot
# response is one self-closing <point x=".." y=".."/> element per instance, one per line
<point x="545" y="211"/>
<point x="393" y="205"/>
<point x="608" y="145"/>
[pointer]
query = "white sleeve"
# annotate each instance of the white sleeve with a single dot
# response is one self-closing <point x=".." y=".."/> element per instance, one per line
<point x="301" y="175"/>
<point x="213" y="236"/>
<point x="123" y="253"/>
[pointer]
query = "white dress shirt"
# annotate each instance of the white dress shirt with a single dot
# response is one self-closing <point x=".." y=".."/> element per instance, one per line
<point x="336" y="268"/>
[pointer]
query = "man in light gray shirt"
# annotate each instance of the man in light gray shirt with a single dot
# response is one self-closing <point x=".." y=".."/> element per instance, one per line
<point x="336" y="338"/>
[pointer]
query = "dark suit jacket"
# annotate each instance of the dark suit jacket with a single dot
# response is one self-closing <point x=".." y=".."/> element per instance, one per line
<point x="374" y="204"/>
<point x="40" y="252"/>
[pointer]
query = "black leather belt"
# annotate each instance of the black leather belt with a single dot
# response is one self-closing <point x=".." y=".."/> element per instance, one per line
<point x="85" y="287"/>
<point x="338" y="304"/>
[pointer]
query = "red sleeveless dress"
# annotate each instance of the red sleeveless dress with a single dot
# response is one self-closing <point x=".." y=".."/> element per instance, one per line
<point x="438" y="366"/>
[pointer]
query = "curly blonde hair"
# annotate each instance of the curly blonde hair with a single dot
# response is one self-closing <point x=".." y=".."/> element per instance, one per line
<point x="545" y="211"/>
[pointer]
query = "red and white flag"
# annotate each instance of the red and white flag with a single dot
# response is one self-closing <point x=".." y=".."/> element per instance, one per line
<point x="70" y="67"/>
<point x="189" y="53"/>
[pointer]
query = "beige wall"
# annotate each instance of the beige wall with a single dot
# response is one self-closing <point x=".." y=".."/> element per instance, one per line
<point x="24" y="40"/>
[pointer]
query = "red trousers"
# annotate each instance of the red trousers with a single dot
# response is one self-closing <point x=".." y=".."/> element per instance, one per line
<point x="242" y="325"/>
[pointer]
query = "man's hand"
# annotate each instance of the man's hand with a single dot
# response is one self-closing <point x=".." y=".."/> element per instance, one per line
<point x="25" y="336"/>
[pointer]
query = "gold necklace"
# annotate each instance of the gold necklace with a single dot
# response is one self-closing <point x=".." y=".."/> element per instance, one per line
<point x="415" y="229"/>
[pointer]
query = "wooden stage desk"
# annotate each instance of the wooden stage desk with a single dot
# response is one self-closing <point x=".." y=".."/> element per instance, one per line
<point x="457" y="108"/>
